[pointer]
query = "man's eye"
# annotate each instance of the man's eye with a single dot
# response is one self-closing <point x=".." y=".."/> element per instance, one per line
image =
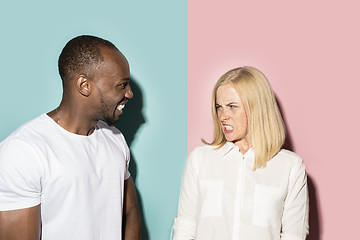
<point x="123" y="85"/>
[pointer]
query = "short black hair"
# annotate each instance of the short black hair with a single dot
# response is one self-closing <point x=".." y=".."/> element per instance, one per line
<point x="80" y="55"/>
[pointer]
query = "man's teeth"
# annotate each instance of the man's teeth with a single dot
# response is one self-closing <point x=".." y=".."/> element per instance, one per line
<point x="229" y="127"/>
<point x="120" y="107"/>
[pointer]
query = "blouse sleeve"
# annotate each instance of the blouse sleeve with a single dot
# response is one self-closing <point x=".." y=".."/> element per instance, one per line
<point x="185" y="222"/>
<point x="295" y="220"/>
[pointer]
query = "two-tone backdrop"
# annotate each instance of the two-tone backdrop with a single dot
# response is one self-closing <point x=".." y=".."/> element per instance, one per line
<point x="177" y="50"/>
<point x="153" y="37"/>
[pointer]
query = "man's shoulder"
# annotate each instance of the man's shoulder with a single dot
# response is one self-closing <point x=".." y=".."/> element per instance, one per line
<point x="24" y="139"/>
<point x="31" y="128"/>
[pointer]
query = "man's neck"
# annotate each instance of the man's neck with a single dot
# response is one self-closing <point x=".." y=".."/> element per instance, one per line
<point x="72" y="121"/>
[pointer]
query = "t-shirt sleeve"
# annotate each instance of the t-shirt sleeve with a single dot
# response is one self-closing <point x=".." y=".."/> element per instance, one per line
<point x="127" y="172"/>
<point x="127" y="157"/>
<point x="20" y="176"/>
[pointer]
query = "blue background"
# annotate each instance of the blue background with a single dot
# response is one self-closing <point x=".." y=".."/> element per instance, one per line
<point x="153" y="37"/>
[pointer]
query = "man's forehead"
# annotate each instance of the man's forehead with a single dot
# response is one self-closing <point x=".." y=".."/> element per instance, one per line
<point x="115" y="67"/>
<point x="108" y="52"/>
<point x="120" y="74"/>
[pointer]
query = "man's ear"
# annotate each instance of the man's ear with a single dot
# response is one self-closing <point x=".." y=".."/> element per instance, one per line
<point x="83" y="85"/>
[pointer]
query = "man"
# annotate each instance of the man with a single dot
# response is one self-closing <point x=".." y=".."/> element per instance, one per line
<point x="64" y="175"/>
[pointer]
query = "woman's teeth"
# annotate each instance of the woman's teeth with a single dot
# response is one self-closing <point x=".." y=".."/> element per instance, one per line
<point x="229" y="127"/>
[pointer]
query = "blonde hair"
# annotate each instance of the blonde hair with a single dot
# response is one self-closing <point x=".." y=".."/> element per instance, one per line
<point x="266" y="129"/>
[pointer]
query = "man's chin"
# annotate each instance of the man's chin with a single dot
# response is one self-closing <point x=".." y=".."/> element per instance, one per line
<point x="112" y="121"/>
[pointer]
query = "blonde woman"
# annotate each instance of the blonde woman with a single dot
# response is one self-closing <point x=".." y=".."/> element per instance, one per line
<point x="242" y="185"/>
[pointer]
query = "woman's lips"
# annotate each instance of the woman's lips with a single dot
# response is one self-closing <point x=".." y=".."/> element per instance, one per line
<point x="228" y="128"/>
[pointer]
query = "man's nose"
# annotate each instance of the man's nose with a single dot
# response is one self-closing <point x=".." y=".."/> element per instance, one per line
<point x="129" y="94"/>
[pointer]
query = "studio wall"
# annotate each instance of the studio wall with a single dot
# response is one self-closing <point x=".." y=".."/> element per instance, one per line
<point x="309" y="51"/>
<point x="153" y="37"/>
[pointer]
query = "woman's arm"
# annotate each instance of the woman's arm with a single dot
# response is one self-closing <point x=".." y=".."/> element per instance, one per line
<point x="185" y="222"/>
<point x="295" y="219"/>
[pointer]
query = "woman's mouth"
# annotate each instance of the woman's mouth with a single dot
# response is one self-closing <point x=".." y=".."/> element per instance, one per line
<point x="228" y="128"/>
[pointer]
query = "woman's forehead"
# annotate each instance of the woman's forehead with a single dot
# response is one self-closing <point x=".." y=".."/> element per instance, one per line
<point x="227" y="93"/>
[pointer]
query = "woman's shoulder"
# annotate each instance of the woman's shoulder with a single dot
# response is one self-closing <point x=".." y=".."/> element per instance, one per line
<point x="288" y="154"/>
<point x="210" y="149"/>
<point x="288" y="158"/>
<point x="203" y="148"/>
<point x="201" y="151"/>
<point x="209" y="152"/>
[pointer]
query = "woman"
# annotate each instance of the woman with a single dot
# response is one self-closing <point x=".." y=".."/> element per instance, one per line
<point x="241" y="185"/>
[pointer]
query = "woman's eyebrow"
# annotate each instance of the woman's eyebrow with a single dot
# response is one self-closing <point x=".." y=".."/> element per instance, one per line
<point x="231" y="103"/>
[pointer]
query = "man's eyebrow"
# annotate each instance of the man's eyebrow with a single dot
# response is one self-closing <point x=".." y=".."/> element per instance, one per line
<point x="124" y="80"/>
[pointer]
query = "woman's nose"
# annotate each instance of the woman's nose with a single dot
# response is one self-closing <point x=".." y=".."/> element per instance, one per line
<point x="223" y="116"/>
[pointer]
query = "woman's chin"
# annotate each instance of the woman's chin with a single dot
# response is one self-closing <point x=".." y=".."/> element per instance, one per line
<point x="229" y="139"/>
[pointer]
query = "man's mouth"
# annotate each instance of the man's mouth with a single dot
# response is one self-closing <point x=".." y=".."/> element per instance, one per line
<point x="120" y="107"/>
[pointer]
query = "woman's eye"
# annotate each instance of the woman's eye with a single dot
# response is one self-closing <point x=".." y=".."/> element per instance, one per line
<point x="232" y="106"/>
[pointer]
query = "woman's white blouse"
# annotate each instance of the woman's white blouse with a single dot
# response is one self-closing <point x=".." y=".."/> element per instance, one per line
<point x="222" y="197"/>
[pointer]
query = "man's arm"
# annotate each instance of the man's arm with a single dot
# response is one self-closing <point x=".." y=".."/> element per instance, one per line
<point x="23" y="224"/>
<point x="131" y="215"/>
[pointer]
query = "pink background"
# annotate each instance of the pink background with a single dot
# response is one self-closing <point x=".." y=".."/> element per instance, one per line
<point x="310" y="52"/>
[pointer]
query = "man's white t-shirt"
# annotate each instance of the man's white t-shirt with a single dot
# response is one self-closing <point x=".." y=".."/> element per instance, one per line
<point x="78" y="180"/>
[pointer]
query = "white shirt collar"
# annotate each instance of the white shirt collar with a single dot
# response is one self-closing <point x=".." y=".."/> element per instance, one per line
<point x="229" y="146"/>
